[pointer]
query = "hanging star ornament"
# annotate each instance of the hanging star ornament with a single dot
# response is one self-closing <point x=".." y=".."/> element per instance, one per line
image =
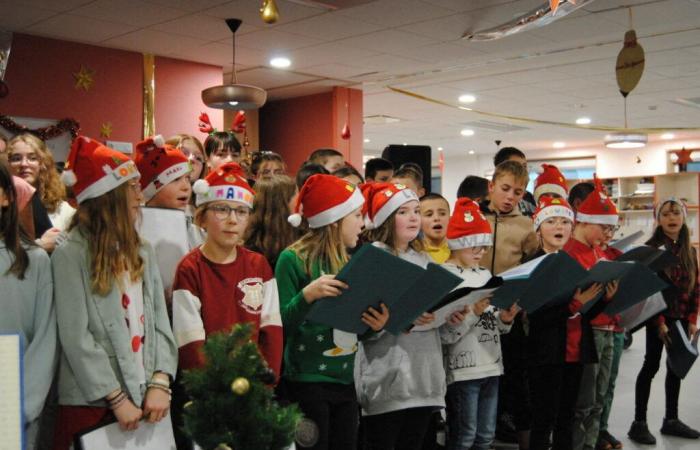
<point x="84" y="79"/>
<point x="106" y="130"/>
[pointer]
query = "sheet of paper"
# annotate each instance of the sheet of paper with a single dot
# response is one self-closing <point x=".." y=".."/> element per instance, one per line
<point x="443" y="313"/>
<point x="627" y="241"/>
<point x="523" y="270"/>
<point x="157" y="436"/>
<point x="11" y="426"/>
<point x="166" y="231"/>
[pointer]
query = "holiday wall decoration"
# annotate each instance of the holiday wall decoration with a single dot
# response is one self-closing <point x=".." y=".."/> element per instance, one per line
<point x="149" y="95"/>
<point x="63" y="126"/>
<point x="106" y="130"/>
<point x="269" y="12"/>
<point x="231" y="397"/>
<point x="84" y="78"/>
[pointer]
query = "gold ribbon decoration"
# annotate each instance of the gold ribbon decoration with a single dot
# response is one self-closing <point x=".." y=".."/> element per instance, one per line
<point x="149" y="95"/>
<point x="529" y="120"/>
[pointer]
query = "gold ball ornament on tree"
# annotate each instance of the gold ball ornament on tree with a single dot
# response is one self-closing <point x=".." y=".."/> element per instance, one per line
<point x="240" y="386"/>
<point x="223" y="446"/>
<point x="630" y="64"/>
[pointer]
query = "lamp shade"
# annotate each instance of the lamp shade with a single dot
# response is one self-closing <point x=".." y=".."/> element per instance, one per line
<point x="626" y="140"/>
<point x="234" y="96"/>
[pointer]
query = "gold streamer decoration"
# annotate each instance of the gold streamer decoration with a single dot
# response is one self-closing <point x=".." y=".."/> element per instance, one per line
<point x="529" y="120"/>
<point x="149" y="95"/>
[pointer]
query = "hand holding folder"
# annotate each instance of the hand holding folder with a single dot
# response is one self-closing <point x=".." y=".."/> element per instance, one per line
<point x="376" y="276"/>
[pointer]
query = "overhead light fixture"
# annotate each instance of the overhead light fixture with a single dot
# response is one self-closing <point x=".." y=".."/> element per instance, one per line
<point x="626" y="140"/>
<point x="280" y="62"/>
<point x="466" y="98"/>
<point x="234" y="95"/>
<point x="467" y="132"/>
<point x="367" y="141"/>
<point x="439" y="149"/>
<point x="667" y="136"/>
<point x="583" y="121"/>
<point x="559" y="144"/>
<point x="471" y="152"/>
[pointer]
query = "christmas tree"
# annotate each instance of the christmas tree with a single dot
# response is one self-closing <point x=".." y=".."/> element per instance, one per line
<point x="232" y="405"/>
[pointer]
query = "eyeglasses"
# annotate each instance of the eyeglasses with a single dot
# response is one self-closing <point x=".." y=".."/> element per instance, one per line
<point x="479" y="249"/>
<point x="17" y="158"/>
<point x="610" y="229"/>
<point x="223" y="212"/>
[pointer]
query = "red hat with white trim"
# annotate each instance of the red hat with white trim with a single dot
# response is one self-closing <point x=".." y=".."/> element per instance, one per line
<point x="382" y="199"/>
<point x="550" y="181"/>
<point x="93" y="169"/>
<point x="227" y="183"/>
<point x="325" y="199"/>
<point x="468" y="227"/>
<point x="548" y="207"/>
<point x="597" y="207"/>
<point x="159" y="164"/>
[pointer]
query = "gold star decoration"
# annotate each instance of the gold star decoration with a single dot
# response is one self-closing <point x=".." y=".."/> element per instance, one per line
<point x="84" y="79"/>
<point x="106" y="130"/>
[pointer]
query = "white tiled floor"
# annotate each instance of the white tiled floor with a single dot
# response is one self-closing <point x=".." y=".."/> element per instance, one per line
<point x="623" y="404"/>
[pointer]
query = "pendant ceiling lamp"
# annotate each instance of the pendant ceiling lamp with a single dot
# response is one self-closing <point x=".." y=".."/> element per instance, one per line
<point x="233" y="95"/>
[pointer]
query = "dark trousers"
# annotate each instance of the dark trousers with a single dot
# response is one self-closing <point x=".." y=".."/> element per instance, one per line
<point x="554" y="390"/>
<point x="332" y="410"/>
<point x="397" y="430"/>
<point x="652" y="360"/>
<point x="514" y="394"/>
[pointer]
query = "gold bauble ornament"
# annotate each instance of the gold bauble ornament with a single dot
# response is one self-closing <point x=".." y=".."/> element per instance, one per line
<point x="223" y="446"/>
<point x="269" y="12"/>
<point x="240" y="386"/>
<point x="630" y="64"/>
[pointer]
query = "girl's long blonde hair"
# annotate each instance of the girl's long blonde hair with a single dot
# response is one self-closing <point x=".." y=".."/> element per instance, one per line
<point x="48" y="182"/>
<point x="324" y="246"/>
<point x="113" y="242"/>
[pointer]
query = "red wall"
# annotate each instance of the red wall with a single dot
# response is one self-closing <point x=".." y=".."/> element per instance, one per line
<point x="40" y="77"/>
<point x="296" y="127"/>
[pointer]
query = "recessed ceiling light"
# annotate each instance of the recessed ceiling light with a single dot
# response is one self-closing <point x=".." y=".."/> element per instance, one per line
<point x="667" y="136"/>
<point x="467" y="98"/>
<point x="471" y="152"/>
<point x="467" y="132"/>
<point x="583" y="120"/>
<point x="280" y="62"/>
<point x="559" y="144"/>
<point x="405" y="143"/>
<point x="439" y="149"/>
<point x="367" y="141"/>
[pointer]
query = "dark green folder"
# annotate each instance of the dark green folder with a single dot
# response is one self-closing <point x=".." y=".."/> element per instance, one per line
<point x="603" y="272"/>
<point x="553" y="280"/>
<point x="636" y="286"/>
<point x="682" y="352"/>
<point x="426" y="291"/>
<point x="460" y="292"/>
<point x="376" y="276"/>
<point x="655" y="259"/>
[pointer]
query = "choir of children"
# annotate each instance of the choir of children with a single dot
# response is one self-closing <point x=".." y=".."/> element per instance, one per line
<point x="266" y="257"/>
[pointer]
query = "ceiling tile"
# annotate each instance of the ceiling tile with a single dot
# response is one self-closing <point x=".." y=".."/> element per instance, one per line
<point x="269" y="78"/>
<point x="331" y="52"/>
<point x="52" y="5"/>
<point x="16" y="17"/>
<point x="275" y="41"/>
<point x="188" y="5"/>
<point x="129" y="12"/>
<point x="201" y="27"/>
<point x="249" y="12"/>
<point x="156" y="42"/>
<point x="91" y="30"/>
<point x="387" y="41"/>
<point x="329" y="27"/>
<point x="394" y="13"/>
<point x="338" y="70"/>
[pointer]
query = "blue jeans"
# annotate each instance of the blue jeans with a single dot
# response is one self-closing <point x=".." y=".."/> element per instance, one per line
<point x="471" y="413"/>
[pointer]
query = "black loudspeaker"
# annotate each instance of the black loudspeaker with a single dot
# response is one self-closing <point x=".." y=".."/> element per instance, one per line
<point x="418" y="154"/>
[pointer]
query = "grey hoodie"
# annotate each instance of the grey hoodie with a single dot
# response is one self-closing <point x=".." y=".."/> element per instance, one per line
<point x="400" y="372"/>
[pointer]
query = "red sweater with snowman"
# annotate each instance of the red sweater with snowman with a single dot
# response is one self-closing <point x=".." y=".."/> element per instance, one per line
<point x="209" y="297"/>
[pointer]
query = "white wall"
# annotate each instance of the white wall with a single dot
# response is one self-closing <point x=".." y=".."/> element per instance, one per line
<point x="610" y="163"/>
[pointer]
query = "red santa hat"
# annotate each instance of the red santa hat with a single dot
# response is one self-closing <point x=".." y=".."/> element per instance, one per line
<point x="382" y="199"/>
<point x="159" y="164"/>
<point x="550" y="181"/>
<point x="468" y="227"/>
<point x="227" y="183"/>
<point x="93" y="169"/>
<point x="597" y="207"/>
<point x="325" y="199"/>
<point x="548" y="207"/>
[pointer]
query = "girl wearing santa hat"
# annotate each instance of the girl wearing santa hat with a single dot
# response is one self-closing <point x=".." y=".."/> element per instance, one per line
<point x="471" y="337"/>
<point x="27" y="304"/>
<point x="400" y="380"/>
<point x="555" y="369"/>
<point x="119" y="353"/>
<point x="319" y="361"/>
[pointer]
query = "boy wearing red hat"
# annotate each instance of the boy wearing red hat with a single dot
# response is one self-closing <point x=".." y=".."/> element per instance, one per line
<point x="222" y="283"/>
<point x="596" y="216"/>
<point x="472" y="348"/>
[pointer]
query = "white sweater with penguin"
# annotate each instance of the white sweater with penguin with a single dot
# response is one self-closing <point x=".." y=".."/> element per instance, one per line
<point x="472" y="349"/>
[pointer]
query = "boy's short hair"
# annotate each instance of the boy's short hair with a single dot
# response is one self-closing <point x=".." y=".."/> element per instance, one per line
<point x="221" y="139"/>
<point x="346" y="171"/>
<point x="512" y="168"/>
<point x="579" y="192"/>
<point x="505" y="153"/>
<point x="306" y="170"/>
<point x="374" y="165"/>
<point x="433" y="196"/>
<point x="320" y="155"/>
<point x="408" y="171"/>
<point x="473" y="187"/>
